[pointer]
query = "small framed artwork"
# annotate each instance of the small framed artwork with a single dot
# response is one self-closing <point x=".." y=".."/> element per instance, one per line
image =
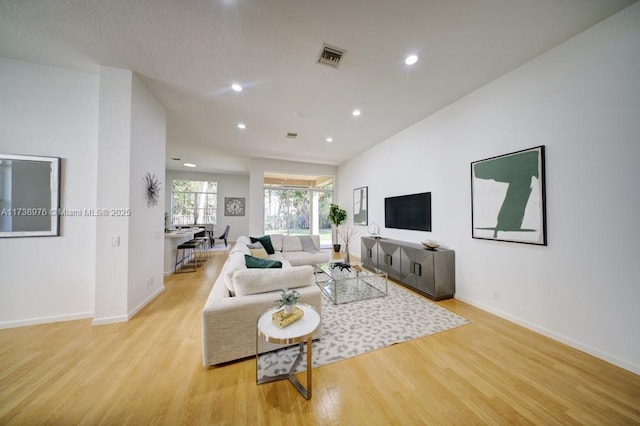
<point x="508" y="197"/>
<point x="233" y="206"/>
<point x="360" y="206"/>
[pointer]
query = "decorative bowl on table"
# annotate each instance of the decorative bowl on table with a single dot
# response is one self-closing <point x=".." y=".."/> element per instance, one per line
<point x="431" y="245"/>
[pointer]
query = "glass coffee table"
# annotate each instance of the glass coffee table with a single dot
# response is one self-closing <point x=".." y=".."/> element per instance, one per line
<point x="342" y="284"/>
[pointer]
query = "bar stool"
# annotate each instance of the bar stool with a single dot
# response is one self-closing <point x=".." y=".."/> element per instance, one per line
<point x="203" y="240"/>
<point x="188" y="250"/>
<point x="201" y="250"/>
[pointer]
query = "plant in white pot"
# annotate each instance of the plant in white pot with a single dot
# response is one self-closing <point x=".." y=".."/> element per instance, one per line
<point x="288" y="299"/>
<point x="336" y="216"/>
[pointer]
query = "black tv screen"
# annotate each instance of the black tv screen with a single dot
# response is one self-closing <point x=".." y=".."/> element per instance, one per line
<point x="408" y="212"/>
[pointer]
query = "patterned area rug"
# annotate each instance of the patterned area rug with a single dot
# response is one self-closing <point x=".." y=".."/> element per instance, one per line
<point x="359" y="327"/>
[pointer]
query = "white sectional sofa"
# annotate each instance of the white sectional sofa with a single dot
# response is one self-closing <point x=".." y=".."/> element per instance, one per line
<point x="241" y="294"/>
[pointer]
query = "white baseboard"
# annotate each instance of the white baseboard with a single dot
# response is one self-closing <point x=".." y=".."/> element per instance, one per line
<point x="145" y="302"/>
<point x="82" y="315"/>
<point x="45" y="320"/>
<point x="124" y="318"/>
<point x="630" y="366"/>
<point x="109" y="320"/>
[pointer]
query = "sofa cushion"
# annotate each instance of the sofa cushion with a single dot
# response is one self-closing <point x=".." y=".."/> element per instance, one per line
<point x="256" y="262"/>
<point x="276" y="242"/>
<point x="266" y="243"/>
<point x="280" y="257"/>
<point x="240" y="247"/>
<point x="254" y="281"/>
<point x="234" y="263"/>
<point x="309" y="243"/>
<point x="243" y="239"/>
<point x="291" y="243"/>
<point x="297" y="258"/>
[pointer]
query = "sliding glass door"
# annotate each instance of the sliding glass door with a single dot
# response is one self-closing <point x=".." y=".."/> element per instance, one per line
<point x="287" y="212"/>
<point x="298" y="210"/>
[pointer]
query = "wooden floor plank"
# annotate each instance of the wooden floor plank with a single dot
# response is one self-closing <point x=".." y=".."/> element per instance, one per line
<point x="149" y="371"/>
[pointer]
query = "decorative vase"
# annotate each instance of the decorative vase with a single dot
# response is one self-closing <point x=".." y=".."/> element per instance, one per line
<point x="289" y="309"/>
<point x="346" y="255"/>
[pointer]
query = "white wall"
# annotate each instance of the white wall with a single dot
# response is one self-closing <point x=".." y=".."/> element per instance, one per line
<point x="229" y="185"/>
<point x="582" y="101"/>
<point x="109" y="131"/>
<point x="114" y="148"/>
<point x="132" y="130"/>
<point x="146" y="225"/>
<point x="52" y="112"/>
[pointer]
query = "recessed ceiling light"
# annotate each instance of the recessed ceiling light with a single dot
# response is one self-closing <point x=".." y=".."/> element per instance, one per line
<point x="356" y="112"/>
<point x="241" y="126"/>
<point x="236" y="87"/>
<point x="411" y="59"/>
<point x="189" y="165"/>
<point x="329" y="139"/>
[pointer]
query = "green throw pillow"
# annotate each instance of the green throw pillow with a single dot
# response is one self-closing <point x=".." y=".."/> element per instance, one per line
<point x="266" y="243"/>
<point x="256" y="262"/>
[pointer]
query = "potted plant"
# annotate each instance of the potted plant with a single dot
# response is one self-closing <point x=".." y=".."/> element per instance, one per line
<point x="288" y="299"/>
<point x="336" y="216"/>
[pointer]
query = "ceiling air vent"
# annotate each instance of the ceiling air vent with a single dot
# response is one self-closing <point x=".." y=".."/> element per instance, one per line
<point x="292" y="135"/>
<point x="331" y="55"/>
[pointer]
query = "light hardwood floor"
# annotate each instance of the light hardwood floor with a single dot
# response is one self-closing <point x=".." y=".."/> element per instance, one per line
<point x="149" y="371"/>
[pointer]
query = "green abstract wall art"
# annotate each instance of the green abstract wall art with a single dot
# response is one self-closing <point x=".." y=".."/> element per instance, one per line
<point x="508" y="197"/>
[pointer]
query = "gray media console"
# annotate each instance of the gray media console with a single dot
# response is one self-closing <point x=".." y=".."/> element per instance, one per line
<point x="429" y="272"/>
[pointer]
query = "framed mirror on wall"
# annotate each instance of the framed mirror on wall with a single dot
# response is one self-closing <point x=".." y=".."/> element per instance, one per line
<point x="29" y="196"/>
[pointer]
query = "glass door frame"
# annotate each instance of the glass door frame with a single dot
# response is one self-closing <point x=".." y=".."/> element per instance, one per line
<point x="315" y="221"/>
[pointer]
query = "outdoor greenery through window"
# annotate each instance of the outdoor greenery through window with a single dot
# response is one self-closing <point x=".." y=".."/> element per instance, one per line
<point x="298" y="205"/>
<point x="194" y="202"/>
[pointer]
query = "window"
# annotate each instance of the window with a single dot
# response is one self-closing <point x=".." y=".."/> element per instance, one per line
<point x="298" y="205"/>
<point x="194" y="202"/>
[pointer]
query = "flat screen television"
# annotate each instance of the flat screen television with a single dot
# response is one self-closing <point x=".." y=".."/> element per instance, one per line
<point x="408" y="212"/>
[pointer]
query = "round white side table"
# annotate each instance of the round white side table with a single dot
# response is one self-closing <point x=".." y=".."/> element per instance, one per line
<point x="299" y="332"/>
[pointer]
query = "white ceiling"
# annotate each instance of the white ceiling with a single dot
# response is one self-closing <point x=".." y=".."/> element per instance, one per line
<point x="189" y="52"/>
